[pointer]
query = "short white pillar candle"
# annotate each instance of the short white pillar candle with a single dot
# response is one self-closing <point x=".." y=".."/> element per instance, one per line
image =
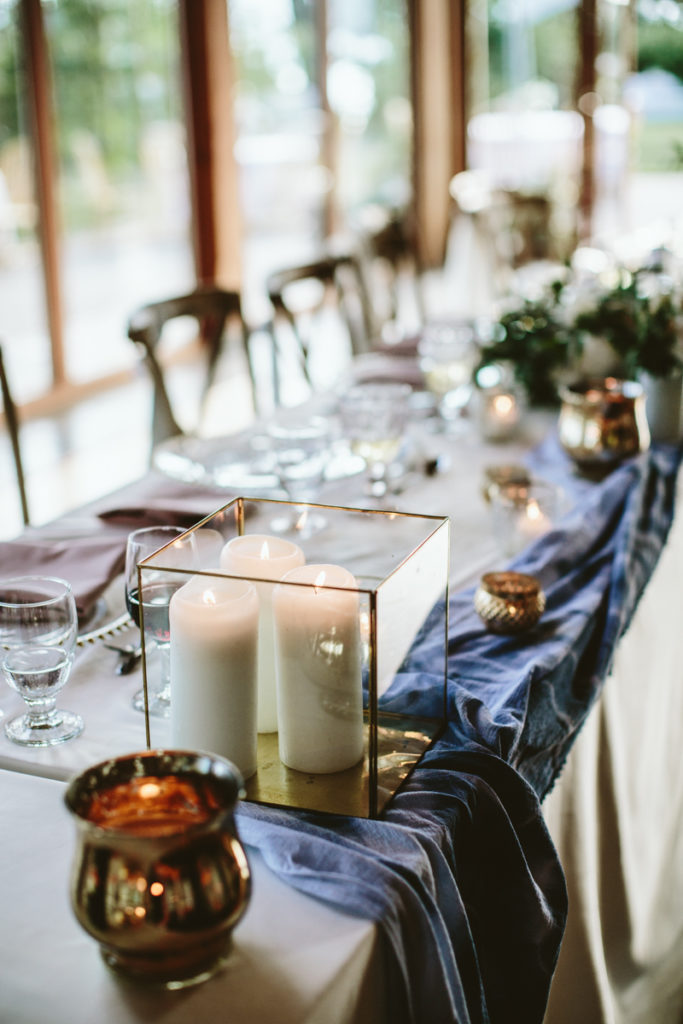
<point x="214" y="631"/>
<point x="319" y="669"/>
<point x="260" y="557"/>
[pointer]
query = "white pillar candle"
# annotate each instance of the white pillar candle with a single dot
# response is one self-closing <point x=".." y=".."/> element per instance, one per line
<point x="319" y="670"/>
<point x="214" y="631"/>
<point x="260" y="557"/>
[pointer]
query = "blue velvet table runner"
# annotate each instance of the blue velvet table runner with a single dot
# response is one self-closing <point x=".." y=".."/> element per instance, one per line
<point x="460" y="873"/>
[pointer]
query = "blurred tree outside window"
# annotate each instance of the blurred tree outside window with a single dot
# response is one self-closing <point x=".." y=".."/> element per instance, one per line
<point x="121" y="174"/>
<point x="122" y="169"/>
<point x="306" y="163"/>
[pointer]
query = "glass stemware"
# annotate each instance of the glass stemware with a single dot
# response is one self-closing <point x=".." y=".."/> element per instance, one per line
<point x="38" y="629"/>
<point x="373" y="418"/>
<point x="141" y="544"/>
<point x="448" y="355"/>
<point x="301" y="448"/>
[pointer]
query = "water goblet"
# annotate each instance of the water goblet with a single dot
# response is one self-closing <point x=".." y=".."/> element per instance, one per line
<point x="448" y="355"/>
<point x="153" y="608"/>
<point x="301" y="448"/>
<point x="373" y="417"/>
<point x="38" y="629"/>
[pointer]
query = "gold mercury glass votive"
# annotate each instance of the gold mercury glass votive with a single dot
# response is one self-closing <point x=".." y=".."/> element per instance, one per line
<point x="509" y="602"/>
<point x="501" y="475"/>
<point x="159" y="875"/>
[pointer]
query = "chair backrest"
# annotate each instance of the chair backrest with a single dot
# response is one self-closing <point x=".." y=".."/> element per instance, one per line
<point x="12" y="422"/>
<point x="341" y="278"/>
<point x="390" y="259"/>
<point x="211" y="307"/>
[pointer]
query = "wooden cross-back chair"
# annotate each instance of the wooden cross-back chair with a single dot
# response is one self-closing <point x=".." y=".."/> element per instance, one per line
<point x="12" y="423"/>
<point x="388" y="237"/>
<point x="212" y="308"/>
<point x="341" y="278"/>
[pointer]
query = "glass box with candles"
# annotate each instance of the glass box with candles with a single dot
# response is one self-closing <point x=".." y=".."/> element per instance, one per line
<point x="305" y="643"/>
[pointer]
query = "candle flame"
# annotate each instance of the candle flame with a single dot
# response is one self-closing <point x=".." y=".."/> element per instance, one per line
<point x="320" y="579"/>
<point x="533" y="511"/>
<point x="208" y="597"/>
<point x="503" y="404"/>
<point x="149" y="790"/>
<point x="265" y="550"/>
<point x="302" y="520"/>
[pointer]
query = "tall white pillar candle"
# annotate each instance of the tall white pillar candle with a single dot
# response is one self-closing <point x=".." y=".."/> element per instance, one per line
<point x="319" y="670"/>
<point x="260" y="557"/>
<point x="214" y="631"/>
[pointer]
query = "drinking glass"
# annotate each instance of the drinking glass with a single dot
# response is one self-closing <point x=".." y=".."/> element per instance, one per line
<point x="448" y="355"/>
<point x="301" y="447"/>
<point x="373" y="417"/>
<point x="141" y="544"/>
<point x="523" y="512"/>
<point x="38" y="628"/>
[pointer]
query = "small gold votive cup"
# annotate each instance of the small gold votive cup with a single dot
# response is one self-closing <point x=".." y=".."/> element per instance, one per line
<point x="509" y="602"/>
<point x="159" y="877"/>
<point x="501" y="475"/>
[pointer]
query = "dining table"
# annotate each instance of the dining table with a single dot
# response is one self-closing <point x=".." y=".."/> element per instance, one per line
<point x="529" y="868"/>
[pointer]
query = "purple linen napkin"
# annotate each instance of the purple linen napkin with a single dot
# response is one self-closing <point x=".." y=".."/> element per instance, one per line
<point x="91" y="553"/>
<point x="87" y="563"/>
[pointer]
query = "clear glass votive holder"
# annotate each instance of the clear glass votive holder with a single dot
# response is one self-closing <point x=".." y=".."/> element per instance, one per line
<point x="302" y="663"/>
<point x="499" y="403"/>
<point x="523" y="512"/>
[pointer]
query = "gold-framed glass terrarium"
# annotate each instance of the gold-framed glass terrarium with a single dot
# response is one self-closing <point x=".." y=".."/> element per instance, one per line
<point x="290" y="637"/>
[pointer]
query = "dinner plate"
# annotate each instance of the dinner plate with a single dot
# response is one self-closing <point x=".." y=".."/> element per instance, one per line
<point x="245" y="466"/>
<point x="108" y="617"/>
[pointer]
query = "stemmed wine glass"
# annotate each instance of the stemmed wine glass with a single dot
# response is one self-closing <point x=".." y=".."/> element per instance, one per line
<point x="38" y="629"/>
<point x="301" y="448"/>
<point x="448" y="355"/>
<point x="158" y="592"/>
<point x="373" y="417"/>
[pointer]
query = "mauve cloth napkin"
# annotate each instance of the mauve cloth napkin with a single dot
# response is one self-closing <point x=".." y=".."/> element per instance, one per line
<point x="89" y="552"/>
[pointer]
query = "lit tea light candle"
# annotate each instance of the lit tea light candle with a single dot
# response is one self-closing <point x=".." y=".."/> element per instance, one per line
<point x="499" y="414"/>
<point x="214" y="634"/>
<point x="259" y="557"/>
<point x="319" y="669"/>
<point x="532" y="521"/>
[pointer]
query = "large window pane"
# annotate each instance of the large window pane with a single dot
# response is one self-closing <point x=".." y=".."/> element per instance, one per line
<point x="279" y="134"/>
<point x="298" y="160"/>
<point x="24" y="331"/>
<point x="123" y="170"/>
<point x="369" y="92"/>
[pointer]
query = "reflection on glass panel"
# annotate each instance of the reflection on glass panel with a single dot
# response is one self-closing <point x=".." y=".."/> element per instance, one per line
<point x="368" y="83"/>
<point x="24" y="333"/>
<point x="123" y="170"/>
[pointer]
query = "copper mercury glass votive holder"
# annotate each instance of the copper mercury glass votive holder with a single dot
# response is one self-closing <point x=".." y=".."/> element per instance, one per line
<point x="509" y="602"/>
<point x="159" y="876"/>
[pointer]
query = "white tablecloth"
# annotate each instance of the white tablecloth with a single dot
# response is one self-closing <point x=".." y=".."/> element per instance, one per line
<point x="616" y="818"/>
<point x="294" y="960"/>
<point x="614" y="814"/>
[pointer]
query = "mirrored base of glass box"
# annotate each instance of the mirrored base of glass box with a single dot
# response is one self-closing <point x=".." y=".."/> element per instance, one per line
<point x="401" y="743"/>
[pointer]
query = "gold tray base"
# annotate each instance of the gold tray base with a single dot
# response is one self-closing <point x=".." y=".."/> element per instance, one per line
<point x="401" y="743"/>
